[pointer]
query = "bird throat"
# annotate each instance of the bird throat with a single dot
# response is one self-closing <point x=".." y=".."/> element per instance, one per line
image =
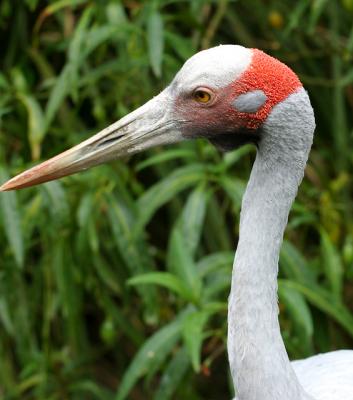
<point x="232" y="140"/>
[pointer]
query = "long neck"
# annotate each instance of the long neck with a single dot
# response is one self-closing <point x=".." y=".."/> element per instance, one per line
<point x="259" y="363"/>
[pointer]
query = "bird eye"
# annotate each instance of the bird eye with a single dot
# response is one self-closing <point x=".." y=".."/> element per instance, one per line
<point x="202" y="96"/>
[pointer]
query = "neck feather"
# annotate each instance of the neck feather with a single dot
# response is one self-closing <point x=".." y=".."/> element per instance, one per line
<point x="259" y="363"/>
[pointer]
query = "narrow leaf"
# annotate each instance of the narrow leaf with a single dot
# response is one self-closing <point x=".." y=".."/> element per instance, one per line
<point x="332" y="264"/>
<point x="11" y="221"/>
<point x="67" y="81"/>
<point x="235" y="189"/>
<point x="193" y="336"/>
<point x="192" y="218"/>
<point x="233" y="157"/>
<point x="166" y="155"/>
<point x="132" y="248"/>
<point x="164" y="279"/>
<point x="180" y="44"/>
<point x="58" y="206"/>
<point x="36" y="123"/>
<point x="155" y="41"/>
<point x="326" y="303"/>
<point x="218" y="282"/>
<point x="294" y="265"/>
<point x="317" y="9"/>
<point x="154" y="350"/>
<point x="166" y="189"/>
<point x="215" y="262"/>
<point x="58" y="93"/>
<point x="298" y="309"/>
<point x="172" y="375"/>
<point x="181" y="263"/>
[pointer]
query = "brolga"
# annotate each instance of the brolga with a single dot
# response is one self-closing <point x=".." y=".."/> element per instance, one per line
<point x="232" y="95"/>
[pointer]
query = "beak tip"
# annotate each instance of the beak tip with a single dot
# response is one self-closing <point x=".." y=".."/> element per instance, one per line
<point x="13" y="184"/>
<point x="5" y="187"/>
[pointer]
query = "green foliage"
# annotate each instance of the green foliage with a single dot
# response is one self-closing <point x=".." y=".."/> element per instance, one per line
<point x="113" y="282"/>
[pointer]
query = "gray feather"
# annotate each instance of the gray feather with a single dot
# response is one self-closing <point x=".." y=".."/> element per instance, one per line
<point x="250" y="102"/>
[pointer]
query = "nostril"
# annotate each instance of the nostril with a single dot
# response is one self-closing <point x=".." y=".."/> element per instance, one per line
<point x="110" y="140"/>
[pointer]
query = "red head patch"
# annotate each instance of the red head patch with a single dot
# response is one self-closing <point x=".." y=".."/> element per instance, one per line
<point x="240" y="106"/>
<point x="273" y="78"/>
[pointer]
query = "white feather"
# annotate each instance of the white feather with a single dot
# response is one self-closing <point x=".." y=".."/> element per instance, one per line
<point x="327" y="376"/>
<point x="215" y="68"/>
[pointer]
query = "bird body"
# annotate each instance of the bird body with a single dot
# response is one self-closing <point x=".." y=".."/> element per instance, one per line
<point x="232" y="95"/>
<point x="327" y="376"/>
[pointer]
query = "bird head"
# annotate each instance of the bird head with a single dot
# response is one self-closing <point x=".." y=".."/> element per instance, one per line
<point x="223" y="94"/>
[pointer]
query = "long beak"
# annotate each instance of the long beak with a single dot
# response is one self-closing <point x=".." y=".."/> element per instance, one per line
<point x="148" y="126"/>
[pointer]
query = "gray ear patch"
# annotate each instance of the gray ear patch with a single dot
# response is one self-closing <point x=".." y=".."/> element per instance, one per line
<point x="250" y="102"/>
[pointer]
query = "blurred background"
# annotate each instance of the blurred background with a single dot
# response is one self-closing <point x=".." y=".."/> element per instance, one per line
<point x="114" y="282"/>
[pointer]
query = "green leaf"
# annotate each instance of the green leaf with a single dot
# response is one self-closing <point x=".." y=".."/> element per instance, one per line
<point x="216" y="230"/>
<point x="218" y="282"/>
<point x="234" y="156"/>
<point x="166" y="189"/>
<point x="36" y="123"/>
<point x="296" y="16"/>
<point x="107" y="273"/>
<point x="58" y="93"/>
<point x="350" y="46"/>
<point x="166" y="155"/>
<point x="323" y="300"/>
<point x="89" y="389"/>
<point x="85" y="209"/>
<point x="317" y="8"/>
<point x="180" y="45"/>
<point x="214" y="307"/>
<point x="121" y="320"/>
<point x="294" y="265"/>
<point x="155" y="40"/>
<point x="332" y="265"/>
<point x="70" y="294"/>
<point x="192" y="331"/>
<point x="96" y="36"/>
<point x="77" y="43"/>
<point x="116" y="14"/>
<point x="192" y="218"/>
<point x="68" y="79"/>
<point x="173" y="375"/>
<point x="181" y="263"/>
<point x="132" y="248"/>
<point x="11" y="221"/>
<point x="58" y="205"/>
<point x="165" y="279"/>
<point x="234" y="188"/>
<point x="59" y="4"/>
<point x="298" y="309"/>
<point x="154" y="351"/>
<point x="215" y="262"/>
<point x="348" y="78"/>
<point x="32" y="4"/>
<point x="5" y="316"/>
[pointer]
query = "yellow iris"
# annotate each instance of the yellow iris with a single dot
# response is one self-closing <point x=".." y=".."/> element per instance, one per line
<point x="201" y="96"/>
